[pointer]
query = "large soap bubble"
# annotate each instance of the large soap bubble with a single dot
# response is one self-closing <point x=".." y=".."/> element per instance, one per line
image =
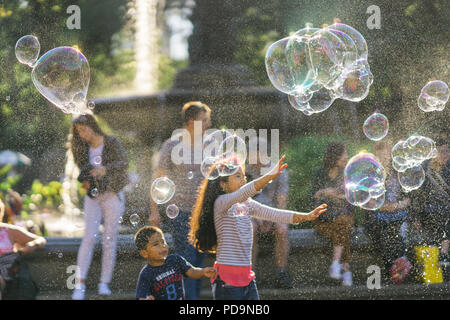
<point x="376" y="126"/>
<point x="162" y="190"/>
<point x="433" y="96"/>
<point x="356" y="36"/>
<point x="279" y="68"/>
<point x="412" y="152"/>
<point x="364" y="179"/>
<point x="331" y="62"/>
<point x="62" y="76"/>
<point x="27" y="50"/>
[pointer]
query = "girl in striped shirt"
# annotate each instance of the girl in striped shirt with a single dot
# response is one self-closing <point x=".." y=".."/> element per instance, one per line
<point x="221" y="223"/>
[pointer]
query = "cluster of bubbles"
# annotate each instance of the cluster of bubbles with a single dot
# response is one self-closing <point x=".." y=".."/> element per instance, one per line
<point x="61" y="75"/>
<point x="162" y="191"/>
<point x="364" y="181"/>
<point x="224" y="154"/>
<point x="407" y="159"/>
<point x="433" y="96"/>
<point x="316" y="66"/>
<point x="376" y="126"/>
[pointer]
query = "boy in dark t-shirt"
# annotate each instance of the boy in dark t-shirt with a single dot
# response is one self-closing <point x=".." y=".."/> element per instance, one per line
<point x="162" y="277"/>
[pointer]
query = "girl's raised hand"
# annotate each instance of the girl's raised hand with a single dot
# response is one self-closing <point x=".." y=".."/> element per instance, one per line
<point x="278" y="169"/>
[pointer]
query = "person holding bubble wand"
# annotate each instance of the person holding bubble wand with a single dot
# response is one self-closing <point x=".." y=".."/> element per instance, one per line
<point x="222" y="223"/>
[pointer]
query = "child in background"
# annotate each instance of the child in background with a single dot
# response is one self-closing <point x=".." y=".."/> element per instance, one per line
<point x="161" y="278"/>
<point x="222" y="223"/>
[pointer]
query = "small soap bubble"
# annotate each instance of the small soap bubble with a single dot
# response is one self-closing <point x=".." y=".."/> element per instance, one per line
<point x="376" y="127"/>
<point x="91" y="105"/>
<point x="134" y="219"/>
<point x="162" y="190"/>
<point x="190" y="175"/>
<point x="172" y="211"/>
<point x="27" y="50"/>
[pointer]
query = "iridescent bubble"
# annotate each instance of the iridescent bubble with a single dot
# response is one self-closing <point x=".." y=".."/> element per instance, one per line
<point x="321" y="100"/>
<point x="327" y="56"/>
<point x="229" y="165"/>
<point x="411" y="178"/>
<point x="354" y="83"/>
<point x="134" y="219"/>
<point x="376" y="126"/>
<point x="374" y="203"/>
<point x="434" y="96"/>
<point x="412" y="152"/>
<point x="298" y="57"/>
<point x="233" y="148"/>
<point x="209" y="169"/>
<point x="356" y="36"/>
<point x="162" y="190"/>
<point x="62" y="76"/>
<point x="190" y="175"/>
<point x="364" y="179"/>
<point x="27" y="50"/>
<point x="212" y="142"/>
<point x="278" y="67"/>
<point x="172" y="211"/>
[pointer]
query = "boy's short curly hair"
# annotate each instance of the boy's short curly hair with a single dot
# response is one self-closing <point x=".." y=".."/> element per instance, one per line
<point x="143" y="235"/>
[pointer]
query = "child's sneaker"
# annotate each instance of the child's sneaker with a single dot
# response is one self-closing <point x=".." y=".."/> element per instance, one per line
<point x="79" y="293"/>
<point x="335" y="270"/>
<point x="103" y="289"/>
<point x="347" y="279"/>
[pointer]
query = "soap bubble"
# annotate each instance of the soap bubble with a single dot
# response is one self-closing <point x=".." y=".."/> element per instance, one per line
<point x="209" y="169"/>
<point x="374" y="203"/>
<point x="316" y="66"/>
<point x="134" y="219"/>
<point x="356" y="36"/>
<point x="364" y="179"/>
<point x="376" y="126"/>
<point x="62" y="76"/>
<point x="279" y="68"/>
<point x="412" y="152"/>
<point x="190" y="175"/>
<point x="298" y="57"/>
<point x="162" y="190"/>
<point x="94" y="192"/>
<point x="354" y="82"/>
<point x="233" y="148"/>
<point x="172" y="211"/>
<point x="229" y="165"/>
<point x="327" y="56"/>
<point x="27" y="50"/>
<point x="434" y="96"/>
<point x="97" y="160"/>
<point x="411" y="178"/>
<point x="212" y="142"/>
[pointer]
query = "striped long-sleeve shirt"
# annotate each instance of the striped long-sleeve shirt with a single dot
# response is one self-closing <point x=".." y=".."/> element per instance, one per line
<point x="234" y="229"/>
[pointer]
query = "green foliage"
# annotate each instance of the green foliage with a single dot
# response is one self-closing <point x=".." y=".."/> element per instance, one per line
<point x="304" y="156"/>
